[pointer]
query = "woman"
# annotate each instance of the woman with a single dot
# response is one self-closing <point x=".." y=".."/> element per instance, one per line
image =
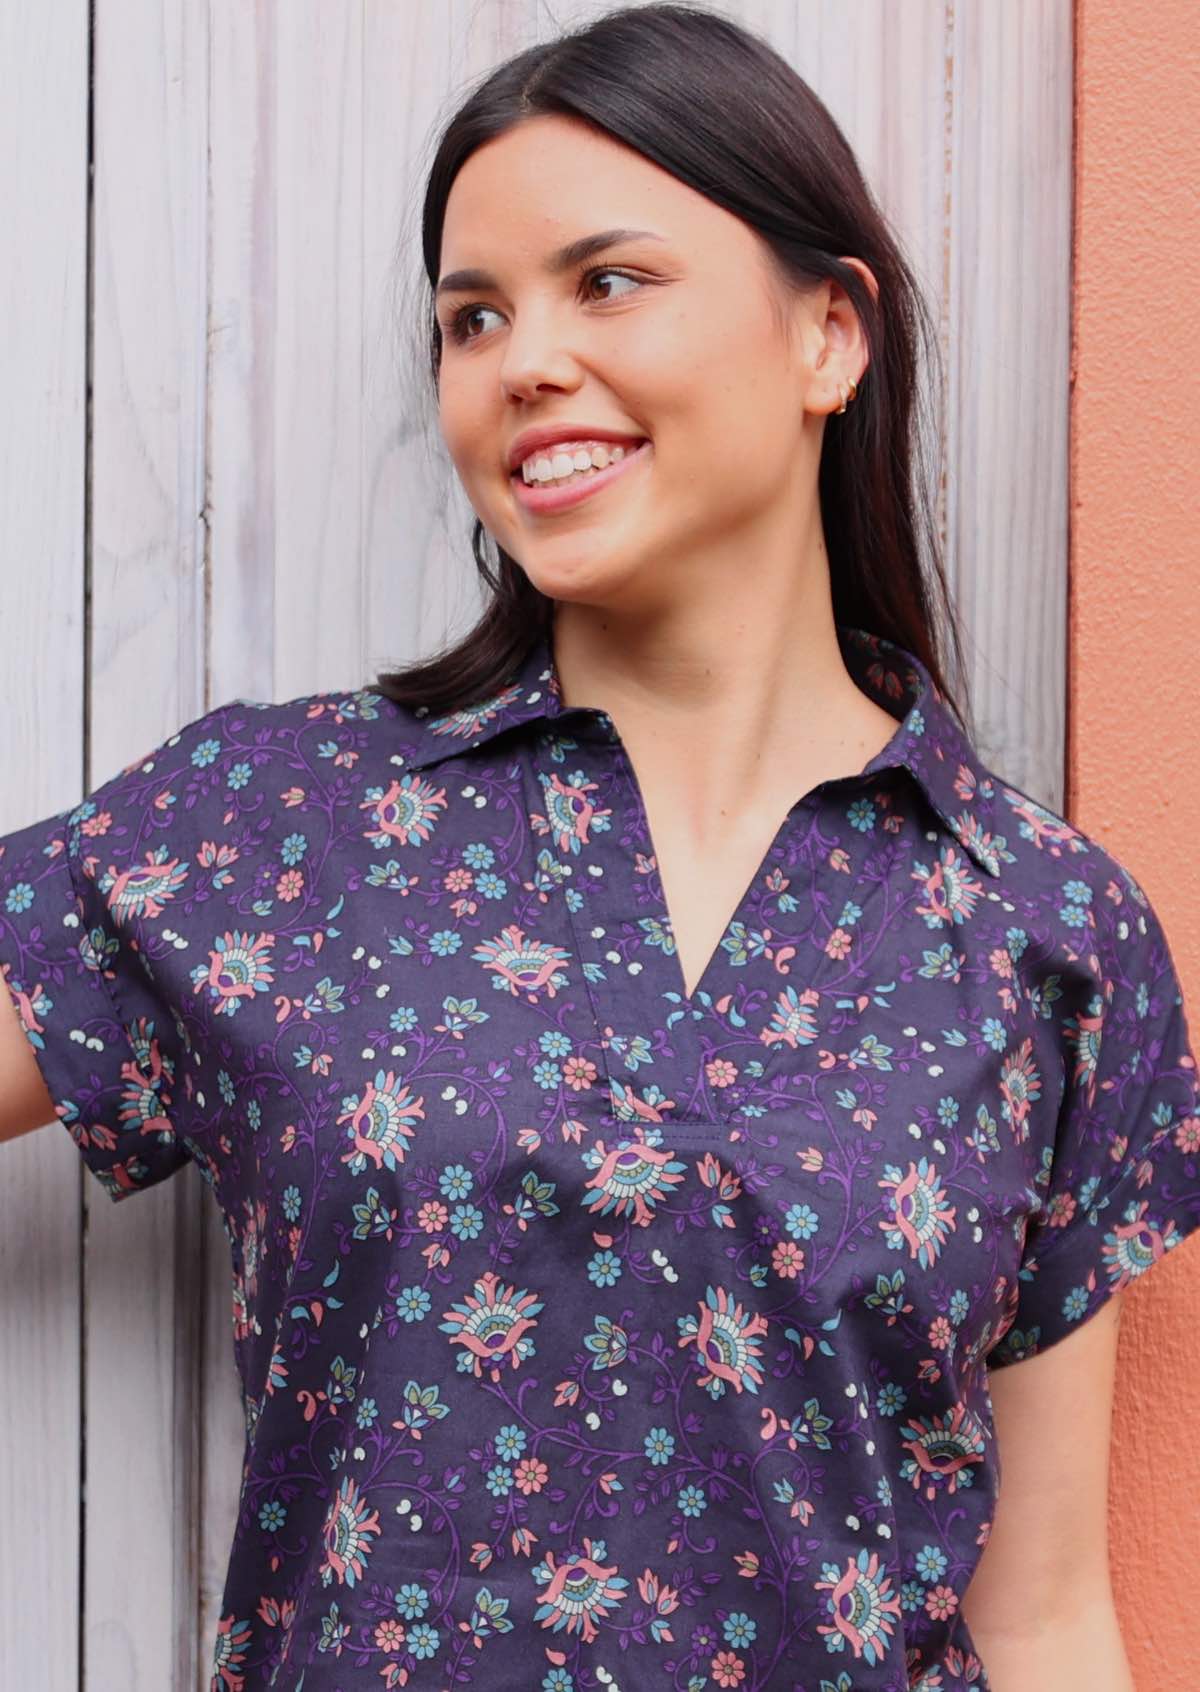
<point x="655" y="1079"/>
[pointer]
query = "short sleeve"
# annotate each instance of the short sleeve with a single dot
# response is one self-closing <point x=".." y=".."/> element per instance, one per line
<point x="1121" y="1183"/>
<point x="76" y="890"/>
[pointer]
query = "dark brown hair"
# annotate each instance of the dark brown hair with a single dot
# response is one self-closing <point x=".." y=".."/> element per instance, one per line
<point x="715" y="105"/>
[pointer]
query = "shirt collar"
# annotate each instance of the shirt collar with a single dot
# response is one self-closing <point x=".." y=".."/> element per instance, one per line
<point x="928" y="741"/>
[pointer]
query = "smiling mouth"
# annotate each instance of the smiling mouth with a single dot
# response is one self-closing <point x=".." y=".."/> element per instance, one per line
<point x="561" y="495"/>
<point x="626" y="448"/>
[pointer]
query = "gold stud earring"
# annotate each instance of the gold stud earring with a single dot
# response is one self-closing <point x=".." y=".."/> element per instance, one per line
<point x="851" y="394"/>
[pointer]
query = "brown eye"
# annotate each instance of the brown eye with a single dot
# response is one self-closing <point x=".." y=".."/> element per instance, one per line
<point x="457" y="326"/>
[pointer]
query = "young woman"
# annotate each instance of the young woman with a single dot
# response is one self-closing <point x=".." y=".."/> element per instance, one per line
<point x="681" y="1121"/>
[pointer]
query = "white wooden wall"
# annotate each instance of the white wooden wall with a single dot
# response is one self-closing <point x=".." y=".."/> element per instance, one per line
<point x="216" y="246"/>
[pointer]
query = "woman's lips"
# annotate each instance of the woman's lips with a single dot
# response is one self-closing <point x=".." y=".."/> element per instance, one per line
<point x="542" y="497"/>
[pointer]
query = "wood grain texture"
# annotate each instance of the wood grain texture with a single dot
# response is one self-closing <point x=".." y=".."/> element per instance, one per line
<point x="43" y="370"/>
<point x="143" y="1289"/>
<point x="265" y="510"/>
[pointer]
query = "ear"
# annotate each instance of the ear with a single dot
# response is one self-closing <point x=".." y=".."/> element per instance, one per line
<point x="845" y="355"/>
<point x="825" y="325"/>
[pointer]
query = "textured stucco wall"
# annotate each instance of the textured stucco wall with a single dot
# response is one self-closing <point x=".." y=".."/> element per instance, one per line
<point x="1134" y="699"/>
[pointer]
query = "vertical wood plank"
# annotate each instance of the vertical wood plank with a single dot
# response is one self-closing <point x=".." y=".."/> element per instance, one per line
<point x="43" y="370"/>
<point x="243" y="474"/>
<point x="143" y="1281"/>
<point x="884" y="82"/>
<point x="1009" y="329"/>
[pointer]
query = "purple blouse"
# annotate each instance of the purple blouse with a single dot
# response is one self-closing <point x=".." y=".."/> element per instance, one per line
<point x="591" y="1335"/>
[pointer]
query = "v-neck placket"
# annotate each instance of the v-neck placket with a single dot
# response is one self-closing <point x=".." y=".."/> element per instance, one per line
<point x="625" y="944"/>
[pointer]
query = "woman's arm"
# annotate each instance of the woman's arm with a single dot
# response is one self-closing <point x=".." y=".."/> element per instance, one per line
<point x="1040" y="1606"/>
<point x="1082" y="1654"/>
<point x="24" y="1101"/>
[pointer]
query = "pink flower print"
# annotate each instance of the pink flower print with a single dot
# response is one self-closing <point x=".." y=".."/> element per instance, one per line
<point x="145" y="889"/>
<point x="920" y="1218"/>
<point x="277" y="1612"/>
<point x="493" y="1324"/>
<point x="1187" y="1135"/>
<point x="389" y="1635"/>
<point x="524" y="966"/>
<point x="970" y="833"/>
<point x="407" y="812"/>
<point x="940" y="1448"/>
<point x="628" y="1106"/>
<point x="1135" y="1245"/>
<point x="432" y="1217"/>
<point x="93" y="827"/>
<point x="966" y="784"/>
<point x="1060" y="1210"/>
<point x="531" y="1475"/>
<point x="213" y="856"/>
<point x="951" y="891"/>
<point x="381" y="1123"/>
<point x="631" y="1180"/>
<point x="26" y="1003"/>
<point x="570" y="811"/>
<point x="663" y="1601"/>
<point x="1039" y="827"/>
<point x="349" y="1527"/>
<point x="725" y="1183"/>
<point x="1000" y="962"/>
<point x="290" y="885"/>
<point x="469" y="722"/>
<point x="838" y="944"/>
<point x="144" y="1096"/>
<point x="579" y="1593"/>
<point x="579" y="1074"/>
<point x="1020" y="1084"/>
<point x="940" y="1333"/>
<point x="727" y="1340"/>
<point x="1084" y="1033"/>
<point x="720" y="1073"/>
<point x="941" y="1602"/>
<point x="793" y="1020"/>
<point x="229" y="1654"/>
<point x="728" y="1669"/>
<point x="862" y="1604"/>
<point x="787" y="1259"/>
<point x="239" y="967"/>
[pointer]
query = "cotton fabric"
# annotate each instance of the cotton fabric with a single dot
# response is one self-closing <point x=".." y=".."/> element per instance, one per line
<point x="588" y="1334"/>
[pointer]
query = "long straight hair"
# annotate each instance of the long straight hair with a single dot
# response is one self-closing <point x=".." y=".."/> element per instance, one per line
<point x="717" y="107"/>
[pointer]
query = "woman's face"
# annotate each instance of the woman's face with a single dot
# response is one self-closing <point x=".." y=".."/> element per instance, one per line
<point x="672" y="338"/>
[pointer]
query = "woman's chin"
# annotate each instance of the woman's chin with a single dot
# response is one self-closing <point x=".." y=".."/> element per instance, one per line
<point x="606" y="580"/>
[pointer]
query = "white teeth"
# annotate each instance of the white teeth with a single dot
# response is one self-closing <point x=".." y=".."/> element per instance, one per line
<point x="558" y="466"/>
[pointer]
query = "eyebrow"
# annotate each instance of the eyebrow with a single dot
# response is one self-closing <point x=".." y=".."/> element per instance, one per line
<point x="566" y="258"/>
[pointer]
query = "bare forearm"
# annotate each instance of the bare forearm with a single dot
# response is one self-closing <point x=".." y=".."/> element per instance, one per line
<point x="1083" y="1653"/>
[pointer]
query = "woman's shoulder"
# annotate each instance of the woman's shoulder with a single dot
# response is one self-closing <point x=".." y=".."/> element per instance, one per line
<point x="335" y="708"/>
<point x="242" y="733"/>
<point x="1067" y="879"/>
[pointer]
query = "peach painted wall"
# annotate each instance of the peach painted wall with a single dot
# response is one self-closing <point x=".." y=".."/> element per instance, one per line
<point x="1133" y="777"/>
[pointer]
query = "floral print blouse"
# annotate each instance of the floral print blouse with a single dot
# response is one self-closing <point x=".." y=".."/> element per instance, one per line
<point x="592" y="1336"/>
